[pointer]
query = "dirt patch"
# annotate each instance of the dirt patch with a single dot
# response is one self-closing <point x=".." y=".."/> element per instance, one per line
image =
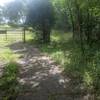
<point x="41" y="78"/>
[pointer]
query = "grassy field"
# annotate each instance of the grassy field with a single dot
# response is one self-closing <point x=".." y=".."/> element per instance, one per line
<point x="55" y="49"/>
<point x="6" y="53"/>
<point x="9" y="86"/>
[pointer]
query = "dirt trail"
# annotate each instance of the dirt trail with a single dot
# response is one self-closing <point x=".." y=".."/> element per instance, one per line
<point x="41" y="78"/>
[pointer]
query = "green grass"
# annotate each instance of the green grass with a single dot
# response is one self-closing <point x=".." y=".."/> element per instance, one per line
<point x="6" y="54"/>
<point x="8" y="82"/>
<point x="84" y="68"/>
<point x="9" y="86"/>
<point x="60" y="46"/>
<point x="58" y="36"/>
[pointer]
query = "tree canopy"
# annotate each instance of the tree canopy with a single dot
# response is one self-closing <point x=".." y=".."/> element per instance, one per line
<point x="41" y="17"/>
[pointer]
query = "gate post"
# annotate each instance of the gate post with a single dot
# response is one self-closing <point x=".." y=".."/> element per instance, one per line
<point x="24" y="35"/>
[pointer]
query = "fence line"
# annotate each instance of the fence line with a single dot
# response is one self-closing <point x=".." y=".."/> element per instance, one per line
<point x="13" y="32"/>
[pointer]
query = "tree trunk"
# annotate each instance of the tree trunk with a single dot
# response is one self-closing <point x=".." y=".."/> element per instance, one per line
<point x="46" y="33"/>
<point x="79" y="22"/>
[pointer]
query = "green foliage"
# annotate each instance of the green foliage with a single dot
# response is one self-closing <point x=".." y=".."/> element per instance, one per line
<point x="9" y="86"/>
<point x="13" y="12"/>
<point x="8" y="81"/>
<point x="61" y="15"/>
<point x="58" y="49"/>
<point x="41" y="17"/>
<point x="40" y="13"/>
<point x="82" y="59"/>
<point x="85" y="68"/>
<point x="7" y="55"/>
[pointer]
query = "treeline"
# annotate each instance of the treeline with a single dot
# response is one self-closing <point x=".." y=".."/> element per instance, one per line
<point x="82" y="17"/>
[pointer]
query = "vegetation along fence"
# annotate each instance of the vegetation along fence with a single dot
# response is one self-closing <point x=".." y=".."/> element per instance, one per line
<point x="13" y="34"/>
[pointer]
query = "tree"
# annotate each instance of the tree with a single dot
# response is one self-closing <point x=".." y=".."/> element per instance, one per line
<point x="41" y="18"/>
<point x="1" y="15"/>
<point x="62" y="17"/>
<point x="13" y="12"/>
<point x="84" y="16"/>
<point x="85" y="19"/>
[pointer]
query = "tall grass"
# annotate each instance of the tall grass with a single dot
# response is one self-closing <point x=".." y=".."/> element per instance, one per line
<point x="85" y="68"/>
<point x="8" y="82"/>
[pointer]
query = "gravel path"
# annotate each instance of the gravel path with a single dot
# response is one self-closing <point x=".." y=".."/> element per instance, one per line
<point x="41" y="78"/>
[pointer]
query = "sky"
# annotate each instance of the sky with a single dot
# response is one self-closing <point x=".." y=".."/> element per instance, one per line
<point x="3" y="2"/>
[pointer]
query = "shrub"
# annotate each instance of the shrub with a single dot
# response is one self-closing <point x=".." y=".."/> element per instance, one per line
<point x="8" y="81"/>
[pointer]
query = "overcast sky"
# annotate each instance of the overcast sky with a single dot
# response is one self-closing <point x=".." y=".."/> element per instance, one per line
<point x="2" y="2"/>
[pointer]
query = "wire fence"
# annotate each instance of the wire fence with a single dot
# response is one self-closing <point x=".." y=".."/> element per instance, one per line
<point x="14" y="35"/>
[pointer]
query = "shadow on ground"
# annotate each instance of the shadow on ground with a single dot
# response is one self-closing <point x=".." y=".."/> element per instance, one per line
<point x="41" y="78"/>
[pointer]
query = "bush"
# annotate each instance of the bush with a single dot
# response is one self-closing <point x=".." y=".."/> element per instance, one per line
<point x="86" y="68"/>
<point x="82" y="69"/>
<point x="8" y="81"/>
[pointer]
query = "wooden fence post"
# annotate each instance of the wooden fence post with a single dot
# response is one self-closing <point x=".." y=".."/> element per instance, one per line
<point x="6" y="34"/>
<point x="24" y="35"/>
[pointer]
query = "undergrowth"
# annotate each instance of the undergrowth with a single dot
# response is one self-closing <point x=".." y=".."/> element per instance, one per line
<point x="8" y="82"/>
<point x="85" y="68"/>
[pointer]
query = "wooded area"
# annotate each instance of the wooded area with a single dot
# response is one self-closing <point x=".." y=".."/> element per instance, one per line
<point x="66" y="31"/>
